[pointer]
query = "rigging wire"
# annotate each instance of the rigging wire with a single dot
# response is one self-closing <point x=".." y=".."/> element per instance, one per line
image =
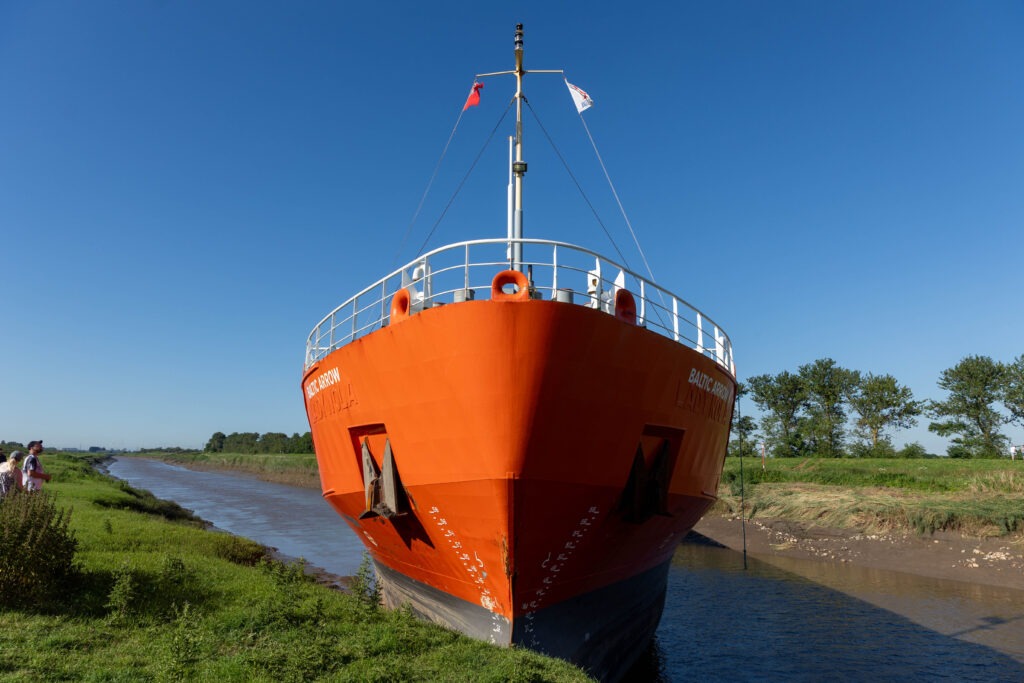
<point x="426" y="190"/>
<point x="622" y="209"/>
<point x="578" y="186"/>
<point x="465" y="177"/>
<point x="593" y="210"/>
<point x="616" y="194"/>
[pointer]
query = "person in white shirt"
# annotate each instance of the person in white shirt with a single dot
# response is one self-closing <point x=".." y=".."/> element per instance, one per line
<point x="32" y="472"/>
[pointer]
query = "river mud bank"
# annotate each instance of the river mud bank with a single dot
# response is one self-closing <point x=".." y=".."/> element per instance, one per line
<point x="995" y="561"/>
<point x="301" y="479"/>
<point x="902" y="619"/>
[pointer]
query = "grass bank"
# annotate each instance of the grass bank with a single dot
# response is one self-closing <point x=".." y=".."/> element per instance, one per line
<point x="973" y="497"/>
<point x="155" y="596"/>
<point x="295" y="469"/>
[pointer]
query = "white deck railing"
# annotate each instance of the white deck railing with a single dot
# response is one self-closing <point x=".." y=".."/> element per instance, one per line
<point x="457" y="272"/>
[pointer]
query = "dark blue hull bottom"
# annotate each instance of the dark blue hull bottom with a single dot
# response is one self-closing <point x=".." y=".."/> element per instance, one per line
<point x="604" y="631"/>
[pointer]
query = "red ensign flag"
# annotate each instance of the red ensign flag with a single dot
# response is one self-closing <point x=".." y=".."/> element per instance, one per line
<point x="474" y="96"/>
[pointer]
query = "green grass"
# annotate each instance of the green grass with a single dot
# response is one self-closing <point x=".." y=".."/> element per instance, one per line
<point x="975" y="497"/>
<point x="297" y="469"/>
<point x="934" y="475"/>
<point x="157" y="597"/>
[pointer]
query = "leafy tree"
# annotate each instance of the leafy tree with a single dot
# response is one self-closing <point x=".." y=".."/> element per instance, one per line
<point x="244" y="442"/>
<point x="1013" y="389"/>
<point x="781" y="398"/>
<point x="743" y="427"/>
<point x="975" y="385"/>
<point x="827" y="386"/>
<point x="301" y="443"/>
<point x="251" y="442"/>
<point x="216" y="443"/>
<point x="881" y="403"/>
<point x="744" y="437"/>
<point x="273" y="442"/>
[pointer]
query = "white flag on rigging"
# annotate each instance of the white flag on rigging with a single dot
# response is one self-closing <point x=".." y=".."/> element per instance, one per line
<point x="580" y="98"/>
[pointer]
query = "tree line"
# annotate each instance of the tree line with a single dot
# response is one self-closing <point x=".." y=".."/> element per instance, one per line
<point x="825" y="410"/>
<point x="252" y="442"/>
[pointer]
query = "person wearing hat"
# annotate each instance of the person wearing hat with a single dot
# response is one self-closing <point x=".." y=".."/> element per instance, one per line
<point x="10" y="475"/>
<point x="32" y="472"/>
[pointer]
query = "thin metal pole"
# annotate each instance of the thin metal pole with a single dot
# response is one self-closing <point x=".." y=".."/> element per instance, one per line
<point x="743" y="521"/>
<point x="518" y="168"/>
<point x="510" y="232"/>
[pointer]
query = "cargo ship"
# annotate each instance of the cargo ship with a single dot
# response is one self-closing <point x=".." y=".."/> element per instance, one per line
<point x="521" y="431"/>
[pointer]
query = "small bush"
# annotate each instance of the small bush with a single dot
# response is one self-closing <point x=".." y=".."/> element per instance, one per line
<point x="37" y="549"/>
<point x="958" y="451"/>
<point x="882" y="449"/>
<point x="912" y="450"/>
<point x="185" y="649"/>
<point x="365" y="584"/>
<point x="137" y="593"/>
<point x="173" y="573"/>
<point x="238" y="550"/>
<point x="285" y="574"/>
<point x="145" y="502"/>
<point x="124" y="593"/>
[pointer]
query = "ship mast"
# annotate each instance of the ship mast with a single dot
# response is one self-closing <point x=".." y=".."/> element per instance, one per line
<point x="518" y="165"/>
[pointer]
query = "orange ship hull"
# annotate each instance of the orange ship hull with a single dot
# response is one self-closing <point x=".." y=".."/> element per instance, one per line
<point x="522" y="470"/>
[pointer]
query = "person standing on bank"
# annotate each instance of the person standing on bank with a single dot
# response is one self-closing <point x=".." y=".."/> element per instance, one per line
<point x="10" y="475"/>
<point x="33" y="471"/>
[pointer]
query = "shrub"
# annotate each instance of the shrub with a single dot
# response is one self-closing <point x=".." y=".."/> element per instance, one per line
<point x="124" y="593"/>
<point x="882" y="449"/>
<point x="186" y="645"/>
<point x="138" y="500"/>
<point x="285" y="574"/>
<point x="365" y="584"/>
<point x="912" y="450"/>
<point x="240" y="550"/>
<point x="37" y="550"/>
<point x="958" y="451"/>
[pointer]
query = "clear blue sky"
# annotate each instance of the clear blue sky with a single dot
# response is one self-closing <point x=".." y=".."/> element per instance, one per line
<point x="186" y="188"/>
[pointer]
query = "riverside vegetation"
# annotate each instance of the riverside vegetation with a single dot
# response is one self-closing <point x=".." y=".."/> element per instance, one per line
<point x="126" y="587"/>
<point x="296" y="469"/>
<point x="975" y="497"/>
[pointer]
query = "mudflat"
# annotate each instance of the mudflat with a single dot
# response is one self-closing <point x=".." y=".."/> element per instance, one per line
<point x="995" y="561"/>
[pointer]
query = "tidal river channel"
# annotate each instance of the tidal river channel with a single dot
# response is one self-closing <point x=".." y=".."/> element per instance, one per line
<point x="808" y="621"/>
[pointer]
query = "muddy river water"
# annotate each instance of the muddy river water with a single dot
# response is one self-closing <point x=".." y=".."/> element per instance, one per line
<point x="797" y="620"/>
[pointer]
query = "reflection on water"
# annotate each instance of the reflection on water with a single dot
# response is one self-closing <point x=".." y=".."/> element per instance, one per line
<point x="785" y="620"/>
<point x="296" y="521"/>
<point x="810" y="621"/>
<point x="978" y="613"/>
